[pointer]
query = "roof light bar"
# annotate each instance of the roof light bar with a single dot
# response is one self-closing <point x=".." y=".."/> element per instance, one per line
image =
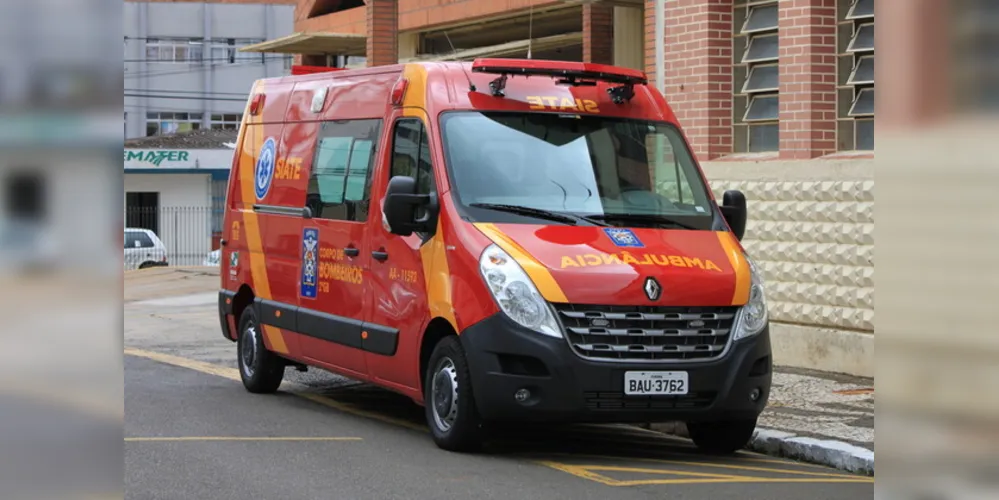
<point x="568" y="73"/>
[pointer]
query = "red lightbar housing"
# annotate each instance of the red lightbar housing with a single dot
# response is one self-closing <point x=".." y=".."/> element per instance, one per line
<point x="569" y="73"/>
<point x="301" y="69"/>
<point x="578" y="70"/>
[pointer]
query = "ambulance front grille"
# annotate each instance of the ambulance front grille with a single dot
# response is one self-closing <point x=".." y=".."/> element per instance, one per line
<point x="597" y="401"/>
<point x="647" y="333"/>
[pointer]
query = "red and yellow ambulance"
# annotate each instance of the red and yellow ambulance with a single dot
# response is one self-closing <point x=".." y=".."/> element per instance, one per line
<point x="502" y="240"/>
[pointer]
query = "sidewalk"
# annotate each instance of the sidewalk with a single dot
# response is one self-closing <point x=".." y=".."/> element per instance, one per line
<point x="815" y="417"/>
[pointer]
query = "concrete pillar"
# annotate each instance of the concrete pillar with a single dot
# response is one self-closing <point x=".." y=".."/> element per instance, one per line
<point x="698" y="82"/>
<point x="409" y="45"/>
<point x="383" y="32"/>
<point x="629" y="38"/>
<point x="598" y="34"/>
<point x="807" y="78"/>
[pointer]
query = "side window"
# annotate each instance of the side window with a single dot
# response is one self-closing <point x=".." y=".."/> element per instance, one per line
<point x="411" y="154"/>
<point x="340" y="179"/>
<point x="144" y="240"/>
<point x="137" y="239"/>
<point x="130" y="239"/>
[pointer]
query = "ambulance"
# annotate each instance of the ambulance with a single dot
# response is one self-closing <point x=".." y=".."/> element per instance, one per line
<point x="502" y="241"/>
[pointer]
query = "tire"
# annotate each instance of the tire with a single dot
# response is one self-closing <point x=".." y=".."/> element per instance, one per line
<point x="449" y="404"/>
<point x="723" y="437"/>
<point x="261" y="370"/>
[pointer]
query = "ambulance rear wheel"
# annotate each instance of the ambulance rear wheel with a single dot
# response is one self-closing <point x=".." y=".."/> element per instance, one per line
<point x="448" y="400"/>
<point x="721" y="438"/>
<point x="261" y="370"/>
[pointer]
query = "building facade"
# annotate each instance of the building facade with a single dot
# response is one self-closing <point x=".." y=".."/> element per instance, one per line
<point x="175" y="186"/>
<point x="776" y="98"/>
<point x="183" y="69"/>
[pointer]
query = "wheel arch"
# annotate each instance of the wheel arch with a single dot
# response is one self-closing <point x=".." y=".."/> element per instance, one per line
<point x="437" y="330"/>
<point x="244" y="298"/>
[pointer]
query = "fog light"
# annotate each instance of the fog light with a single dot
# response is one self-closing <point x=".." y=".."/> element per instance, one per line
<point x="521" y="395"/>
<point x="754" y="394"/>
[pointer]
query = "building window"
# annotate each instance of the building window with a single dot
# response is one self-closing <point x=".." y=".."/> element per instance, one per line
<point x="226" y="121"/>
<point x="226" y="51"/>
<point x="172" y="123"/>
<point x="340" y="181"/>
<point x="756" y="72"/>
<point x="174" y="50"/>
<point x="855" y="85"/>
<point x="973" y="54"/>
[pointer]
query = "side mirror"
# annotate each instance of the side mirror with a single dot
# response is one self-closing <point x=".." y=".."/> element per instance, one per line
<point x="402" y="204"/>
<point x="733" y="207"/>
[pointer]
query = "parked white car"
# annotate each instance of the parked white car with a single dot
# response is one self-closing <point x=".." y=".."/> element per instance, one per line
<point x="212" y="260"/>
<point x="143" y="249"/>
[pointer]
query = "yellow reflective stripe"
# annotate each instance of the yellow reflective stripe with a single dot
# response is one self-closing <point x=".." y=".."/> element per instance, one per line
<point x="739" y="264"/>
<point x="437" y="277"/>
<point x="537" y="271"/>
<point x="259" y="281"/>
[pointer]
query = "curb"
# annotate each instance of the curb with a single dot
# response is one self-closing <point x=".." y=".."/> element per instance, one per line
<point x="828" y="452"/>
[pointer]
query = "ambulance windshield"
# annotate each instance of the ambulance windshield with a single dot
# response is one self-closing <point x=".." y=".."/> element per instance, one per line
<point x="610" y="170"/>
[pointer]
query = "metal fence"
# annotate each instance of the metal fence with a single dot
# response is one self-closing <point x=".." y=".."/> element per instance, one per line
<point x="172" y="236"/>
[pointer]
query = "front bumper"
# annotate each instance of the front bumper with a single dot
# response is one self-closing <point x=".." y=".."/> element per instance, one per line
<point x="504" y="357"/>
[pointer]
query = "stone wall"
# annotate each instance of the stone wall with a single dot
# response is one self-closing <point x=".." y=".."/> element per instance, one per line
<point x="811" y="229"/>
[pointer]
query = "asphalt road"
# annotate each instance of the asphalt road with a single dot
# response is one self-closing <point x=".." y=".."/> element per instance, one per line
<point x="192" y="431"/>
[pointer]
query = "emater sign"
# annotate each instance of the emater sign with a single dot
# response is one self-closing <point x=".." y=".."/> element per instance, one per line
<point x="186" y="159"/>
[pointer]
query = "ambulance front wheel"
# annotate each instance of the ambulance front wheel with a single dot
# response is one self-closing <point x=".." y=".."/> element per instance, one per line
<point x="260" y="369"/>
<point x="449" y="404"/>
<point x="723" y="437"/>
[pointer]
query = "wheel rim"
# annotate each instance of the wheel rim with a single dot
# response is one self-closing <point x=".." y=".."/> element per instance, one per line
<point x="444" y="394"/>
<point x="248" y="352"/>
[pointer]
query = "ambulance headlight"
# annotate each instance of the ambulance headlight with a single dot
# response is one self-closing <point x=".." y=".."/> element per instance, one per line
<point x="752" y="317"/>
<point x="515" y="293"/>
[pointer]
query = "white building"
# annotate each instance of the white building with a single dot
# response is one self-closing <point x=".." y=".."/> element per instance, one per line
<point x="183" y="70"/>
<point x="176" y="187"/>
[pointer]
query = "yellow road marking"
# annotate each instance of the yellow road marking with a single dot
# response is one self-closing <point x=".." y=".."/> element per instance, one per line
<point x="753" y="457"/>
<point x="588" y="472"/>
<point x="641" y="470"/>
<point x="750" y="468"/>
<point x="647" y="482"/>
<point x="593" y="434"/>
<point x="235" y="438"/>
<point x="581" y="471"/>
<point x="293" y="388"/>
<point x="816" y="477"/>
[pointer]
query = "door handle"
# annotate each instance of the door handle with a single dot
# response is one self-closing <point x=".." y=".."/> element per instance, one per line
<point x="351" y="252"/>
<point x="380" y="255"/>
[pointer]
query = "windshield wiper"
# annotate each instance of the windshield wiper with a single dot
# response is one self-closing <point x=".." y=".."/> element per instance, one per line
<point x="539" y="213"/>
<point x="650" y="218"/>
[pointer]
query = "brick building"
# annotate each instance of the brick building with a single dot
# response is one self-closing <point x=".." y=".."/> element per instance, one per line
<point x="776" y="97"/>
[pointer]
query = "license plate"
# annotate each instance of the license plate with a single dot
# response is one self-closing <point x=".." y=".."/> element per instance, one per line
<point x="655" y="383"/>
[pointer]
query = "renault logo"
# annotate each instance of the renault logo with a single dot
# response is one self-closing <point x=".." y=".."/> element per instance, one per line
<point x="652" y="289"/>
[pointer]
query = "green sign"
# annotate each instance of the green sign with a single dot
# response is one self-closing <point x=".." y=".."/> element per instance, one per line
<point x="157" y="157"/>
